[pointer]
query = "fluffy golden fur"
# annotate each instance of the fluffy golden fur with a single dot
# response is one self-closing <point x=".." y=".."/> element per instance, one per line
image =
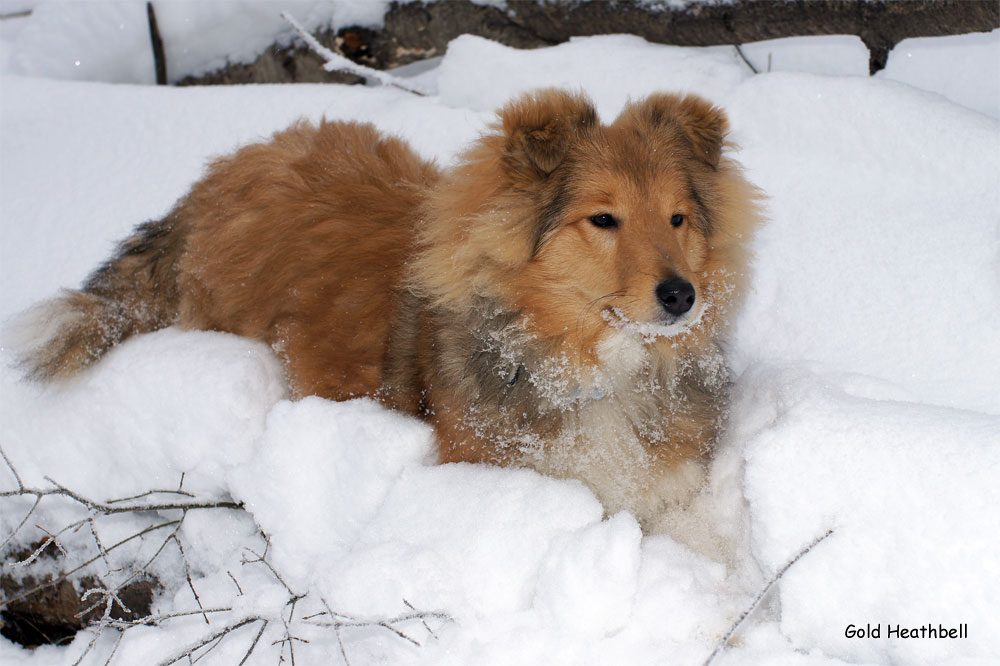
<point x="513" y="301"/>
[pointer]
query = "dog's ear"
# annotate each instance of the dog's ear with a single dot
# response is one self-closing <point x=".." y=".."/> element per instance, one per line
<point x="705" y="125"/>
<point x="540" y="128"/>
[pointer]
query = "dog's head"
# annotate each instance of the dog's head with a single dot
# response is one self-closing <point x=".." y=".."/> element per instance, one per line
<point x="585" y="227"/>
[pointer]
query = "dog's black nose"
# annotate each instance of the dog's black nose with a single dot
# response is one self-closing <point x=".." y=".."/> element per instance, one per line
<point x="675" y="295"/>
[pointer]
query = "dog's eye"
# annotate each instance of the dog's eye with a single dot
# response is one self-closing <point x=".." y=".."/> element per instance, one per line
<point x="677" y="220"/>
<point x="604" y="221"/>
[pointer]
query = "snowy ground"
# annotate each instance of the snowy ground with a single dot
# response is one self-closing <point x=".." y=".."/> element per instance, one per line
<point x="866" y="395"/>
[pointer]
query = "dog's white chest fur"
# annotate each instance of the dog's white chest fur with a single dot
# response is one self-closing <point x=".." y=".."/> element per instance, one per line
<point x="599" y="442"/>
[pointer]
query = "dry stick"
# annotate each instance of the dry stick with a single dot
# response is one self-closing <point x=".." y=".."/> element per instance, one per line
<point x="208" y="650"/>
<point x="760" y="597"/>
<point x="155" y="620"/>
<point x="151" y="492"/>
<point x="159" y="56"/>
<point x="187" y="572"/>
<point x="749" y="64"/>
<point x="141" y="570"/>
<point x="58" y="579"/>
<point x="50" y="539"/>
<point x="97" y="634"/>
<point x="106" y="508"/>
<point x="253" y="645"/>
<point x="235" y="582"/>
<point x="114" y="649"/>
<point x="87" y="650"/>
<point x="262" y="559"/>
<point x="10" y="466"/>
<point x="190" y="649"/>
<point x="21" y="524"/>
<point x="335" y="61"/>
<point x="54" y="538"/>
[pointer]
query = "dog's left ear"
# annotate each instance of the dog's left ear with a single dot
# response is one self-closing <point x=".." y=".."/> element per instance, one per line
<point x="705" y="125"/>
<point x="540" y="128"/>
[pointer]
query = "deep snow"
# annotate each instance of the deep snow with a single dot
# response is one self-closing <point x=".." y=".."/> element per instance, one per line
<point x="866" y="394"/>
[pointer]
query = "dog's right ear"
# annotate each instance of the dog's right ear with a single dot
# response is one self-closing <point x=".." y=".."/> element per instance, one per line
<point x="539" y="129"/>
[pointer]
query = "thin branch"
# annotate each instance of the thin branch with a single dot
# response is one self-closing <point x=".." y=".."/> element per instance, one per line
<point x="108" y="591"/>
<point x="187" y="572"/>
<point x="97" y="540"/>
<point x="253" y="645"/>
<point x="159" y="56"/>
<point x="61" y="577"/>
<point x="107" y="508"/>
<point x="760" y="596"/>
<point x="197" y="645"/>
<point x="235" y="582"/>
<point x="155" y="620"/>
<point x="114" y="648"/>
<point x="88" y="649"/>
<point x="262" y="559"/>
<point x="337" y="62"/>
<point x="422" y="620"/>
<point x="743" y="56"/>
<point x="151" y="492"/>
<point x="208" y="650"/>
<point x="10" y="466"/>
<point x="51" y="539"/>
<point x="21" y="524"/>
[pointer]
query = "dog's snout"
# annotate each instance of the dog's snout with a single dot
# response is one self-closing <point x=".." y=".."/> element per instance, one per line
<point x="675" y="295"/>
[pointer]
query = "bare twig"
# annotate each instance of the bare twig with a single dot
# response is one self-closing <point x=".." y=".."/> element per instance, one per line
<point x="21" y="524"/>
<point x="159" y="56"/>
<point x="88" y="649"/>
<point x="235" y="582"/>
<point x="262" y="559"/>
<point x="114" y="579"/>
<point x="422" y="620"/>
<point x="156" y="620"/>
<point x="253" y="645"/>
<point x="197" y="645"/>
<point x="339" y="621"/>
<point x="10" y="466"/>
<point x="151" y="492"/>
<point x="58" y="579"/>
<point x="187" y="573"/>
<point x="760" y="596"/>
<point x="114" y="648"/>
<point x="743" y="56"/>
<point x="337" y="62"/>
<point x="107" y="508"/>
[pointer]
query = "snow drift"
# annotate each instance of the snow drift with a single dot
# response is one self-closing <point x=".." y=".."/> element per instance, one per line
<point x="866" y="394"/>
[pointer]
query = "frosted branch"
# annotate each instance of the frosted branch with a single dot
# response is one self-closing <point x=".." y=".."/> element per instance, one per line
<point x="337" y="62"/>
<point x="760" y="596"/>
<point x="106" y="596"/>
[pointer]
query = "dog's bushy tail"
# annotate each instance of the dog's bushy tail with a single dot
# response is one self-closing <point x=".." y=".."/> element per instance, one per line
<point x="136" y="291"/>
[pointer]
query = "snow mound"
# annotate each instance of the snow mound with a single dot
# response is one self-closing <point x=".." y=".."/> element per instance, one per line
<point x="189" y="403"/>
<point x="109" y="41"/>
<point x="479" y="74"/>
<point x="881" y="254"/>
<point x="963" y="68"/>
<point x="866" y="392"/>
<point x="911" y="493"/>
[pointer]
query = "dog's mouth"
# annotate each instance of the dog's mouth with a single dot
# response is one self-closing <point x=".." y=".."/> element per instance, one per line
<point x="663" y="326"/>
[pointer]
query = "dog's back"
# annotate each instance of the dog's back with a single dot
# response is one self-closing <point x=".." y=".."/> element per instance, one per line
<point x="299" y="242"/>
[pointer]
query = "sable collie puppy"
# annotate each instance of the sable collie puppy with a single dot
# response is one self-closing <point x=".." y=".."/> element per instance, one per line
<point x="553" y="301"/>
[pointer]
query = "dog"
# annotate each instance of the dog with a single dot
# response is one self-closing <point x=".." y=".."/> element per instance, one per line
<point x="555" y="300"/>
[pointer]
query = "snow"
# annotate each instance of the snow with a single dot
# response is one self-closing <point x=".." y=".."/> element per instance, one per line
<point x="865" y="400"/>
<point x="109" y="41"/>
<point x="834" y="447"/>
<point x="591" y="63"/>
<point x="963" y="68"/>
